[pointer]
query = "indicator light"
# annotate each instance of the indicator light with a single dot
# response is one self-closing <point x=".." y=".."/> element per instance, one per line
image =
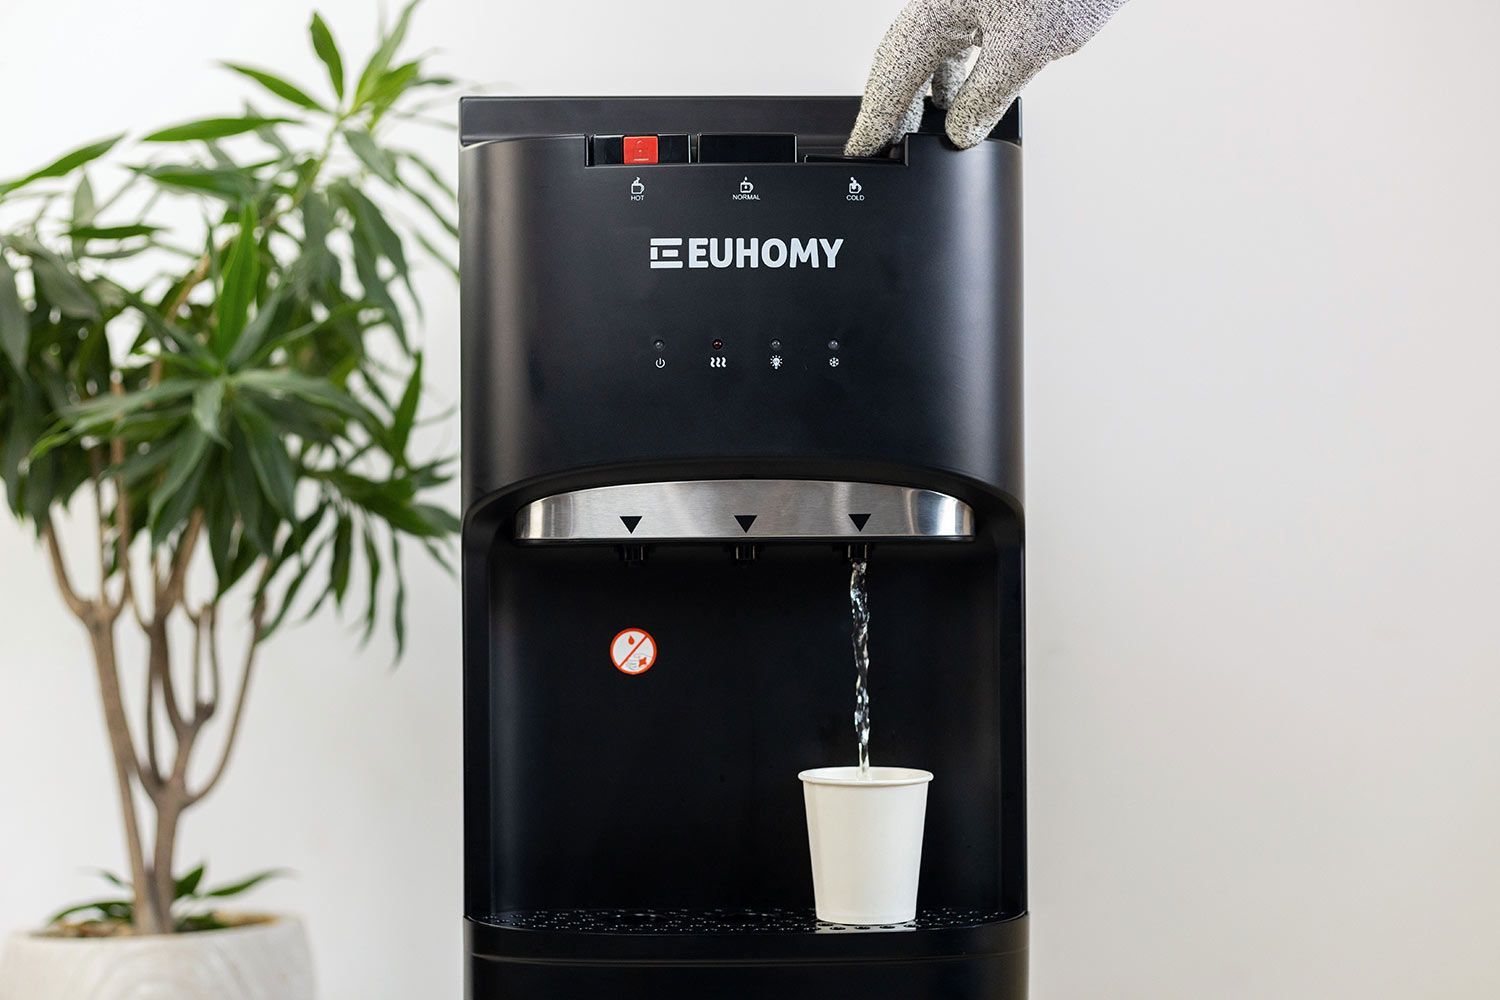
<point x="658" y="343"/>
<point x="833" y="345"/>
<point x="718" y="345"/>
<point x="639" y="148"/>
<point x="775" y="345"/>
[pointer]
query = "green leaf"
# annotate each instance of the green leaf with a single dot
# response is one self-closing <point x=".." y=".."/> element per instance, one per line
<point x="446" y="262"/>
<point x="371" y="227"/>
<point x="241" y="278"/>
<point x="208" y="401"/>
<point x="440" y="557"/>
<point x="27" y="416"/>
<point x="385" y="503"/>
<point x="235" y="888"/>
<point x="317" y="220"/>
<point x="245" y="556"/>
<point x="98" y="413"/>
<point x="218" y="517"/>
<point x="174" y="511"/>
<point x="212" y="128"/>
<point x="430" y="172"/>
<point x="112" y="878"/>
<point x="64" y="164"/>
<point x="406" y="412"/>
<point x="392" y="85"/>
<point x="15" y="327"/>
<point x="372" y="582"/>
<point x="338" y="572"/>
<point x="84" y="210"/>
<point x="318" y="391"/>
<point x="367" y="267"/>
<point x="171" y="501"/>
<point x="187" y="884"/>
<point x="421" y="197"/>
<point x="283" y="89"/>
<point x="398" y="606"/>
<point x="289" y="597"/>
<point x="168" y="333"/>
<point x="259" y="352"/>
<point x="231" y="184"/>
<point x="371" y="155"/>
<point x="328" y="51"/>
<point x="246" y="494"/>
<point x="117" y="910"/>
<point x="62" y="287"/>
<point x="380" y="61"/>
<point x="273" y="466"/>
<point x="271" y="137"/>
<point x="438" y="520"/>
<point x="111" y="232"/>
<point x="255" y="331"/>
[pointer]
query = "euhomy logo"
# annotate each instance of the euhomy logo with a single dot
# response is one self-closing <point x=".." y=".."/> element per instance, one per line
<point x="741" y="251"/>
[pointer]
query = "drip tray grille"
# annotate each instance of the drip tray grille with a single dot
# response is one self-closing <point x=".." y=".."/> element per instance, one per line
<point x="774" y="920"/>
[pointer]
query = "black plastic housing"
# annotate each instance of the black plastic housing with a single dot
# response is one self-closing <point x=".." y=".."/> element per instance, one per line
<point x="644" y="836"/>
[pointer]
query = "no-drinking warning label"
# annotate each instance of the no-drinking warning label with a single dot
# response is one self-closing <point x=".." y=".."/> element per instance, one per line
<point x="633" y="651"/>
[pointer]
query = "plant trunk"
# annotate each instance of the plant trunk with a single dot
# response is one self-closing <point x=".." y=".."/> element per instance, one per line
<point x="150" y="915"/>
<point x="163" y="884"/>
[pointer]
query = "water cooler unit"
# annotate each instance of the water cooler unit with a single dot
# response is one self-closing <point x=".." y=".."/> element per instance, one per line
<point x="706" y="360"/>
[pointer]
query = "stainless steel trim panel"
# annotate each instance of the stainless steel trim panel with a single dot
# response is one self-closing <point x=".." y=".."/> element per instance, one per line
<point x="736" y="510"/>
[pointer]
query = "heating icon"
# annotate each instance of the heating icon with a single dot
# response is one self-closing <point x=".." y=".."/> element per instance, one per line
<point x="718" y="362"/>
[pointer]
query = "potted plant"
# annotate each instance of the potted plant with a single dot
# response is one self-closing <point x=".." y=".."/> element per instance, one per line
<point x="229" y="407"/>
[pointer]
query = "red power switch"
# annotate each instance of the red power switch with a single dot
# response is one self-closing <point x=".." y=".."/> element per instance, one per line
<point x="640" y="148"/>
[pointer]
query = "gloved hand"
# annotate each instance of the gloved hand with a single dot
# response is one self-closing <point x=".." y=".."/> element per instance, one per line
<point x="930" y="44"/>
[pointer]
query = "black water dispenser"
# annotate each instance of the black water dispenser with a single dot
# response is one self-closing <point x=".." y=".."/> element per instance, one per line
<point x="706" y="359"/>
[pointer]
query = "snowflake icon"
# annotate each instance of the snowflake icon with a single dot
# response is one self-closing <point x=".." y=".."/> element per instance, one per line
<point x="833" y="362"/>
<point x="776" y="361"/>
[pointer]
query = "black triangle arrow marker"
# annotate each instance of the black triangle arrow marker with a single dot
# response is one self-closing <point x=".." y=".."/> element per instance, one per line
<point x="859" y="521"/>
<point x="631" y="521"/>
<point x="745" y="521"/>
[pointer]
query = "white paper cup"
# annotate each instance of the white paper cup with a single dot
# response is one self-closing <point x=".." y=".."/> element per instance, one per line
<point x="866" y="842"/>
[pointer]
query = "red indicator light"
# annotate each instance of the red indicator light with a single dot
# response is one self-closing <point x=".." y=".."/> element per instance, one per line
<point x="640" y="149"/>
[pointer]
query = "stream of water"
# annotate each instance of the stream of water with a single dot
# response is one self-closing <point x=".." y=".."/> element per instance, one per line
<point x="859" y="605"/>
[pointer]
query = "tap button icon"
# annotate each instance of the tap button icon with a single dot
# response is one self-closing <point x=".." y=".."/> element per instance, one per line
<point x="746" y="187"/>
<point x="854" y="186"/>
<point x="636" y="187"/>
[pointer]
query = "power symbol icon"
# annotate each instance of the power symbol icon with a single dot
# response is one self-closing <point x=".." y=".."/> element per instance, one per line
<point x="661" y="362"/>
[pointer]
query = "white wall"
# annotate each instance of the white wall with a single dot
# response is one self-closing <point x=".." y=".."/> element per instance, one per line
<point x="1264" y="479"/>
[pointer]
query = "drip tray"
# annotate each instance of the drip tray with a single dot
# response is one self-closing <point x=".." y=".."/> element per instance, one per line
<point x="715" y="921"/>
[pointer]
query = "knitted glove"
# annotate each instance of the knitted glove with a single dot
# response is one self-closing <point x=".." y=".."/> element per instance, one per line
<point x="929" y="45"/>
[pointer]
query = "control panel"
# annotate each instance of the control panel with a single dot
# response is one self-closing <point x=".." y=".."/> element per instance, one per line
<point x="705" y="147"/>
<point x="639" y="282"/>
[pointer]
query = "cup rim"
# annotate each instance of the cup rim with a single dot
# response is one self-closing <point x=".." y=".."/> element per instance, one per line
<point x="880" y="777"/>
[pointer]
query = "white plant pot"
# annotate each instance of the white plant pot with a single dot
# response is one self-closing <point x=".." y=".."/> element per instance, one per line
<point x="265" y="961"/>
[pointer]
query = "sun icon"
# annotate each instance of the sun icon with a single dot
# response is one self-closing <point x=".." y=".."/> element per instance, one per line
<point x="833" y="362"/>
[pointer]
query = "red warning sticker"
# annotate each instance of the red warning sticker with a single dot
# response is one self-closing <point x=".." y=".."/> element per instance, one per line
<point x="633" y="651"/>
